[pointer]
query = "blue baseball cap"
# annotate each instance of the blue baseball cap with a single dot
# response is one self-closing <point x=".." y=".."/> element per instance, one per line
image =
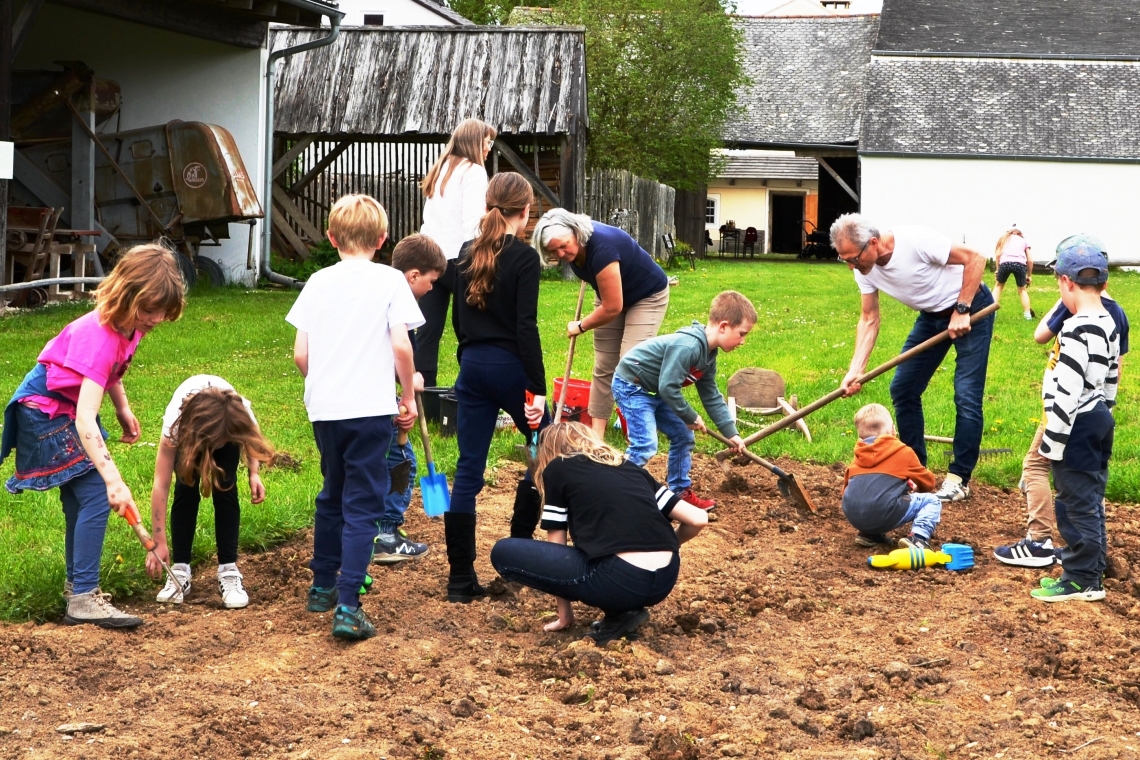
<point x="1081" y="237"/>
<point x="1080" y="253"/>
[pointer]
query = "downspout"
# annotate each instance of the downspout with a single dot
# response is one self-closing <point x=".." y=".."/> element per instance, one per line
<point x="334" y="17"/>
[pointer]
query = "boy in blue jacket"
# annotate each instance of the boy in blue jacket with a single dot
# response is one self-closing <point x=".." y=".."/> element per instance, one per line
<point x="648" y="381"/>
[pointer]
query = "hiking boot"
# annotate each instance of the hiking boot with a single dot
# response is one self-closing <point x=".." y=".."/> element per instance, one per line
<point x="68" y="588"/>
<point x="321" y="599"/>
<point x="914" y="541"/>
<point x="691" y="498"/>
<point x="618" y="625"/>
<point x="170" y="593"/>
<point x="390" y="548"/>
<point x="953" y="489"/>
<point x="871" y="540"/>
<point x="95" y="608"/>
<point x="1027" y="553"/>
<point x="352" y="624"/>
<point x="1067" y="591"/>
<point x="229" y="582"/>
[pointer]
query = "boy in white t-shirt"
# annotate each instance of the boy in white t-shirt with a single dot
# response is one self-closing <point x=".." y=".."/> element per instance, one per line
<point x="352" y="323"/>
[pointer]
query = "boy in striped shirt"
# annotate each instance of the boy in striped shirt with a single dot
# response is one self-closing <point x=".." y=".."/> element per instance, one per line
<point x="1078" y="390"/>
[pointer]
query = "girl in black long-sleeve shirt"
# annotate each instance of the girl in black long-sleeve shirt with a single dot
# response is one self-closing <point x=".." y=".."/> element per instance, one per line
<point x="500" y="364"/>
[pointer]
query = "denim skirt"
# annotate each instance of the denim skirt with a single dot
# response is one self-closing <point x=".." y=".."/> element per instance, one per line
<point x="48" y="451"/>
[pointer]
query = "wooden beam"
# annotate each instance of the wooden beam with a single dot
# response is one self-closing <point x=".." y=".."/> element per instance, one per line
<point x="290" y="209"/>
<point x="49" y="193"/>
<point x="23" y="24"/>
<point x="835" y="175"/>
<point x="290" y="235"/>
<point x="516" y="161"/>
<point x="321" y="165"/>
<point x="283" y="163"/>
<point x="192" y="19"/>
<point x="6" y="57"/>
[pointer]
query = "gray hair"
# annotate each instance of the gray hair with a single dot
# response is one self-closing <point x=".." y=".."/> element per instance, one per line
<point x="557" y="223"/>
<point x="854" y="228"/>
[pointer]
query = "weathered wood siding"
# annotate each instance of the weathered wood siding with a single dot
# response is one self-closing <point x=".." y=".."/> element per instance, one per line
<point x="426" y="80"/>
<point x="641" y="207"/>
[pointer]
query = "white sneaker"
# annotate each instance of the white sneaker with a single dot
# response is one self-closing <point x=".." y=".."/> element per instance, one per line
<point x="229" y="581"/>
<point x="953" y="489"/>
<point x="170" y="593"/>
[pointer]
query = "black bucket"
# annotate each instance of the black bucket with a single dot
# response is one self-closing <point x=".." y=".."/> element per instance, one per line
<point x="448" y="411"/>
<point x="431" y="396"/>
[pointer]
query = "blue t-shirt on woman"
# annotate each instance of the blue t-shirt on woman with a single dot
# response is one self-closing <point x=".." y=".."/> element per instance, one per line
<point x="640" y="275"/>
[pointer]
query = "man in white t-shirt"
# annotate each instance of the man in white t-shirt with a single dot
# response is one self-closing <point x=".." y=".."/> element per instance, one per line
<point x="926" y="271"/>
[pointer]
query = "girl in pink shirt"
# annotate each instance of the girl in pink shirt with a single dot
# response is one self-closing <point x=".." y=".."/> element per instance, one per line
<point x="52" y="420"/>
<point x="1011" y="256"/>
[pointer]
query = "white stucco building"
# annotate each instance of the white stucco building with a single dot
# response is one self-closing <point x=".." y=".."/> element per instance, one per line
<point x="399" y="13"/>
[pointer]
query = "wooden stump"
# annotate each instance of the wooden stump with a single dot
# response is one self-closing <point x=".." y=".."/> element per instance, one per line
<point x="754" y="387"/>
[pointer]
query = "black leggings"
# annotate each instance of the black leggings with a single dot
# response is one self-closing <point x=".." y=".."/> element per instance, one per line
<point x="433" y="305"/>
<point x="227" y="511"/>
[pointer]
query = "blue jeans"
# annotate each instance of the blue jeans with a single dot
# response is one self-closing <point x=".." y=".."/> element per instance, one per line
<point x="355" y="471"/>
<point x="490" y="379"/>
<point x="646" y="414"/>
<point x="85" y="512"/>
<point x="912" y="377"/>
<point x="608" y="583"/>
<point x="396" y="504"/>
<point x="922" y="509"/>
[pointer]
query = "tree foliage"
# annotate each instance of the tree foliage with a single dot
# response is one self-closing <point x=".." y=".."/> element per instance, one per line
<point x="662" y="77"/>
<point x="488" y="12"/>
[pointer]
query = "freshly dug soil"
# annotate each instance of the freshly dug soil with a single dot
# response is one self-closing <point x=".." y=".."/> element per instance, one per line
<point x="779" y="641"/>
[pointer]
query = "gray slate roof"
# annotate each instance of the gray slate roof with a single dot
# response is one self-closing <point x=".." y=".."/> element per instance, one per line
<point x="1008" y="27"/>
<point x="807" y="80"/>
<point x="440" y="9"/>
<point x="1003" y="108"/>
<point x="399" y="80"/>
<point x="769" y="167"/>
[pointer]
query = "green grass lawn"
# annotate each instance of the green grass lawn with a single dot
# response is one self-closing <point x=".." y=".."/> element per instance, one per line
<point x="806" y="331"/>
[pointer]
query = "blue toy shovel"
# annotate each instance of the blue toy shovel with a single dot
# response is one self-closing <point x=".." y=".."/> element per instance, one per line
<point x="433" y="486"/>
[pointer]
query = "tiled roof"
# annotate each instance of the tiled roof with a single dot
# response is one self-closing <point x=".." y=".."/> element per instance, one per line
<point x="988" y="107"/>
<point x="769" y="167"/>
<point x="1004" y="27"/>
<point x="806" y="80"/>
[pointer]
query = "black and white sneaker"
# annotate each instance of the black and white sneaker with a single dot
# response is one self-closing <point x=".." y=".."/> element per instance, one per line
<point x="1027" y="553"/>
<point x="391" y="548"/>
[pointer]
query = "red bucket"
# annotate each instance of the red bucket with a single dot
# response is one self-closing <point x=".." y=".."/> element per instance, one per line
<point x="577" y="400"/>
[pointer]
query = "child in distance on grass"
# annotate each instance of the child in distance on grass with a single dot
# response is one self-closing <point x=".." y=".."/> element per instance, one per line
<point x="352" y="323"/>
<point x="52" y="420"/>
<point x="1078" y="391"/>
<point x="648" y="381"/>
<point x="421" y="260"/>
<point x="205" y="429"/>
<point x="1036" y="549"/>
<point x="886" y="486"/>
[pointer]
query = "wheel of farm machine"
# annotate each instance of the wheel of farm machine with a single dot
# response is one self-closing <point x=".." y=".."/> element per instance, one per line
<point x="186" y="267"/>
<point x="210" y="271"/>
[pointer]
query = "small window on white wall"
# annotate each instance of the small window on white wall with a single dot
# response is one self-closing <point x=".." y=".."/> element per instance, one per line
<point x="712" y="209"/>
<point x="374" y="19"/>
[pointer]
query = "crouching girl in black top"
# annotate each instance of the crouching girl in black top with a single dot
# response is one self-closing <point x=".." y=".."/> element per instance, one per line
<point x="624" y="557"/>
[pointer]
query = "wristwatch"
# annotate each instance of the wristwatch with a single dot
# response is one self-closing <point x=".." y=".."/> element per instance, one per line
<point x="962" y="308"/>
<point x="581" y="329"/>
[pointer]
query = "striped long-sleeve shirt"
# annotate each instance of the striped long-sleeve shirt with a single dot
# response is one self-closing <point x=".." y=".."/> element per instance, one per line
<point x="1083" y="370"/>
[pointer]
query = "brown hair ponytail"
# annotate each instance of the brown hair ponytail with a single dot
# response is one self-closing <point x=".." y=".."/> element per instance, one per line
<point x="466" y="143"/>
<point x="507" y="195"/>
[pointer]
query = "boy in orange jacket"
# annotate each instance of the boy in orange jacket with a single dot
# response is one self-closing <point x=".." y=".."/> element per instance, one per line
<point x="886" y="486"/>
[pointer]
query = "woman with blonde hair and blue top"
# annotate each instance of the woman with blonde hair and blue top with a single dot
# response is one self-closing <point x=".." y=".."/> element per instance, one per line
<point x="53" y="423"/>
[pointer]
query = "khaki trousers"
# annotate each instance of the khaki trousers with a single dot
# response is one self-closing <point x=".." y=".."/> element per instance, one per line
<point x="612" y="341"/>
<point x="1035" y="471"/>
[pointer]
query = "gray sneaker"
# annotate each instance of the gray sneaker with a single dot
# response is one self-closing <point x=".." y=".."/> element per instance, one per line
<point x="170" y="593"/>
<point x="95" y="608"/>
<point x="390" y="548"/>
<point x="953" y="489"/>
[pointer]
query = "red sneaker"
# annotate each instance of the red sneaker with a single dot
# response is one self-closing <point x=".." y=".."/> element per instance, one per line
<point x="691" y="498"/>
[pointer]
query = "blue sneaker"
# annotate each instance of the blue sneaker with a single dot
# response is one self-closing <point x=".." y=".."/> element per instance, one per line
<point x="352" y="625"/>
<point x="1027" y="553"/>
<point x="321" y="599"/>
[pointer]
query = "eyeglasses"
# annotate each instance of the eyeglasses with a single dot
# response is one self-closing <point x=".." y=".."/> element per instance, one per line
<point x="850" y="259"/>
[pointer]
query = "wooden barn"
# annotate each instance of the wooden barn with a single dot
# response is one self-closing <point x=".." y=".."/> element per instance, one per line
<point x="371" y="113"/>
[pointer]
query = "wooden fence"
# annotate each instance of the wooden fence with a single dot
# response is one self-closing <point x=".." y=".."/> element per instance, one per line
<point x="641" y="207"/>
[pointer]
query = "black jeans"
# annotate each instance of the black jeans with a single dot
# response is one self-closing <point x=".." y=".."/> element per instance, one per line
<point x="609" y="583"/>
<point x="227" y="511"/>
<point x="433" y="305"/>
<point x="1080" y="478"/>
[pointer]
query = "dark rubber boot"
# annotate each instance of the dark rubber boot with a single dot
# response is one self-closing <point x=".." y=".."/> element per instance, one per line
<point x="462" y="583"/>
<point x="528" y="508"/>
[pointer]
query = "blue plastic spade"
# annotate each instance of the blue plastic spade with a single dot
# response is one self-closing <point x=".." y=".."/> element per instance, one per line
<point x="963" y="556"/>
<point x="433" y="486"/>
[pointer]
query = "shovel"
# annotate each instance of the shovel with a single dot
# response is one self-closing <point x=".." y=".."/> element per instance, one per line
<point x="132" y="518"/>
<point x="398" y="475"/>
<point x="861" y="380"/>
<point x="433" y="486"/>
<point x="569" y="359"/>
<point x="790" y="488"/>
